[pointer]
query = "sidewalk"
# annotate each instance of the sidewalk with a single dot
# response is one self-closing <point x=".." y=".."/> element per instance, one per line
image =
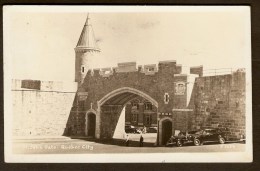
<point x="40" y="138"/>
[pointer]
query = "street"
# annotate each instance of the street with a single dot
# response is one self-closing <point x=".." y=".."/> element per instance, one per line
<point x="81" y="146"/>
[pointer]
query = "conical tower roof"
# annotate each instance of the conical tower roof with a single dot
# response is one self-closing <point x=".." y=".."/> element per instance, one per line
<point x="87" y="40"/>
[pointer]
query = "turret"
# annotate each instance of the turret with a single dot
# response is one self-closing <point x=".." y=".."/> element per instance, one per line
<point x="86" y="48"/>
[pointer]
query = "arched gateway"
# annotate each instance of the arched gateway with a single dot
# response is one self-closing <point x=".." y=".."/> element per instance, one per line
<point x="103" y="93"/>
<point x="110" y="107"/>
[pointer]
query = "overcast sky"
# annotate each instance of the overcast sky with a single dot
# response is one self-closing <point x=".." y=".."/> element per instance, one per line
<point x="39" y="42"/>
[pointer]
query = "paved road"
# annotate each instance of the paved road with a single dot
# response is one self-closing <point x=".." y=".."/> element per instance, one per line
<point x="81" y="146"/>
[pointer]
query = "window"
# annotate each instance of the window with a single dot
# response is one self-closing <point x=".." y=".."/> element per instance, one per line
<point x="150" y="69"/>
<point x="135" y="106"/>
<point x="166" y="98"/>
<point x="147" y="119"/>
<point x="82" y="69"/>
<point x="134" y="118"/>
<point x="148" y="106"/>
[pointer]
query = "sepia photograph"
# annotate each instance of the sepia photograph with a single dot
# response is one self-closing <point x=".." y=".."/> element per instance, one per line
<point x="124" y="84"/>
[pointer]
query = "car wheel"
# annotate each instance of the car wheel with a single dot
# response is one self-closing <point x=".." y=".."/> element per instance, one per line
<point x="221" y="140"/>
<point x="196" y="142"/>
<point x="179" y="143"/>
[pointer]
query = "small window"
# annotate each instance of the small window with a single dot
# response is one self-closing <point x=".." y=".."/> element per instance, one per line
<point x="148" y="106"/>
<point x="82" y="69"/>
<point x="150" y="69"/>
<point x="166" y="98"/>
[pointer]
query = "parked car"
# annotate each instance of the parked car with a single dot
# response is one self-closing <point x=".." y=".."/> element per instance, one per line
<point x="181" y="139"/>
<point x="208" y="135"/>
<point x="152" y="130"/>
<point x="198" y="137"/>
<point x="132" y="129"/>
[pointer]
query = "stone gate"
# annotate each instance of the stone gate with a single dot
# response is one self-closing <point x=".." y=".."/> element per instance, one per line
<point x="105" y="92"/>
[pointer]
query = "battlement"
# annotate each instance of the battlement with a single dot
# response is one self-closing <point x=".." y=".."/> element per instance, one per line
<point x="38" y="85"/>
<point x="148" y="69"/>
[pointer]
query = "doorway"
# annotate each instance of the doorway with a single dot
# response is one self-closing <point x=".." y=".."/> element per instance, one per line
<point x="166" y="131"/>
<point x="91" y="124"/>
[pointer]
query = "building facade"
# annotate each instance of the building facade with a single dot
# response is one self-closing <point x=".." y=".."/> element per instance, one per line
<point x="140" y="113"/>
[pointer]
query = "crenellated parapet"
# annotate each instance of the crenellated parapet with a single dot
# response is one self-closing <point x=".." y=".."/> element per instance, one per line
<point x="128" y="67"/>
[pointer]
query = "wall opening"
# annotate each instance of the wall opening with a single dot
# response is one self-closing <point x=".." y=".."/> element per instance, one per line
<point x="112" y="112"/>
<point x="166" y="131"/>
<point x="91" y="124"/>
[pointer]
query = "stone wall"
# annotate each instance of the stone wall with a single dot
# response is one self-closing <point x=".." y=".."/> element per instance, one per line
<point x="219" y="102"/>
<point x="41" y="111"/>
<point x="181" y="120"/>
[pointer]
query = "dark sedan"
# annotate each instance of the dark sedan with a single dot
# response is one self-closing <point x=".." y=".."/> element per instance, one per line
<point x="208" y="135"/>
<point x="181" y="139"/>
<point x="198" y="137"/>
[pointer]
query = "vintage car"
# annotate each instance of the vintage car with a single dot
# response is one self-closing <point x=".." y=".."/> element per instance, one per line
<point x="198" y="137"/>
<point x="181" y="139"/>
<point x="132" y="129"/>
<point x="208" y="135"/>
<point x="151" y="130"/>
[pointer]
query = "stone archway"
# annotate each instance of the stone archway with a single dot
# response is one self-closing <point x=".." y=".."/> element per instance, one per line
<point x="127" y="90"/>
<point x="111" y="106"/>
<point x="165" y="130"/>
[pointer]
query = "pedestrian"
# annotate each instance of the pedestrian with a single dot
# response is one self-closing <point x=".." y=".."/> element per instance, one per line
<point x="141" y="141"/>
<point x="144" y="130"/>
<point x="127" y="140"/>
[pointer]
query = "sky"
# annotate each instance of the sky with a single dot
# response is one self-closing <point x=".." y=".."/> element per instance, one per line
<point x="39" y="41"/>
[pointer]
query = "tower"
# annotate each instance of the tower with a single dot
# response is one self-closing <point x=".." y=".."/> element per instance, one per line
<point x="86" y="48"/>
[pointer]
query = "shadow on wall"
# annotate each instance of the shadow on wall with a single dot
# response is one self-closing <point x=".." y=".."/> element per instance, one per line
<point x="75" y="125"/>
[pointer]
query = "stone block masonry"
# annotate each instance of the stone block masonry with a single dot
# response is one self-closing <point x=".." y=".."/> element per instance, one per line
<point x="41" y="111"/>
<point x="219" y="102"/>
